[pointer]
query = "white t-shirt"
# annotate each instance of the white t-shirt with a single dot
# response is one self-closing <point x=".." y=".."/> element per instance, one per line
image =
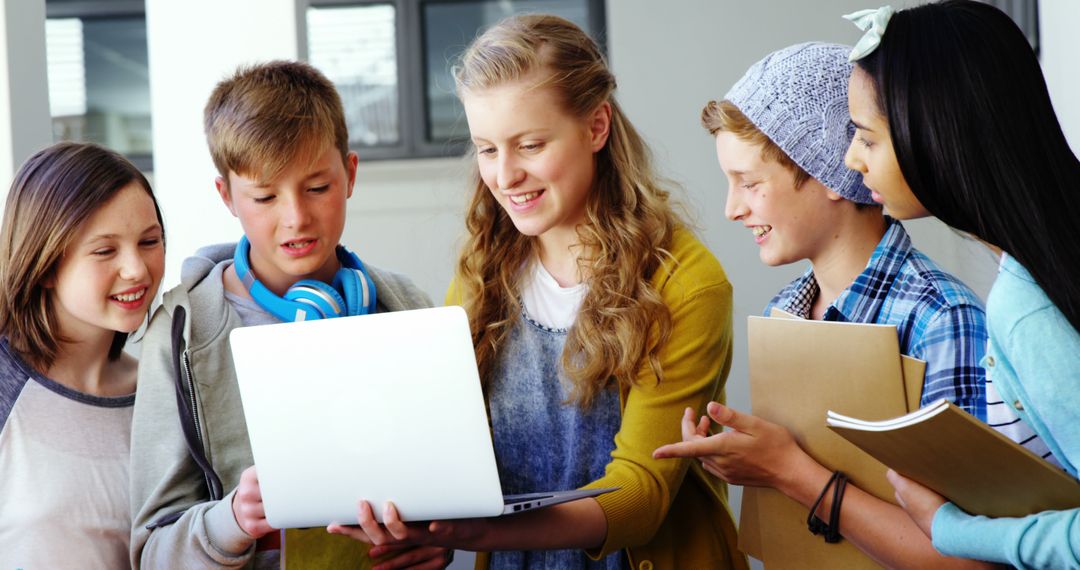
<point x="546" y="302"/>
<point x="64" y="459"/>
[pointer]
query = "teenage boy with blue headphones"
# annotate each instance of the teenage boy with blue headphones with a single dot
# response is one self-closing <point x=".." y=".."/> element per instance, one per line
<point x="278" y="139"/>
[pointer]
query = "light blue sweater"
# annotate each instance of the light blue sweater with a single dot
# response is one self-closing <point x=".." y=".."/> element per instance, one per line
<point x="1034" y="359"/>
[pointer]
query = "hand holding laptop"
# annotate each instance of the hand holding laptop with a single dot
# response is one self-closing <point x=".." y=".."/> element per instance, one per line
<point x="393" y="531"/>
<point x="478" y="534"/>
<point x="308" y="388"/>
<point x="247" y="506"/>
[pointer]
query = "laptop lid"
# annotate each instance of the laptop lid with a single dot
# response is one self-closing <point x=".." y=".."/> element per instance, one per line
<point x="377" y="407"/>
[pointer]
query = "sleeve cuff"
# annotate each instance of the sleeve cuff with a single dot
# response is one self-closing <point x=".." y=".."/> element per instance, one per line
<point x="223" y="532"/>
<point x="956" y="533"/>
<point x="619" y="507"/>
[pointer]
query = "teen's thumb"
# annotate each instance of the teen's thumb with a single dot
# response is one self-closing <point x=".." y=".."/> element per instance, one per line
<point x="728" y="417"/>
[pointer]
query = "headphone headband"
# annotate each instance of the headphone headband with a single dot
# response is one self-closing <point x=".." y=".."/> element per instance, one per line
<point x="351" y="293"/>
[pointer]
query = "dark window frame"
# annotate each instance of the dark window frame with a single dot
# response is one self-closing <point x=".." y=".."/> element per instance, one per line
<point x="411" y="65"/>
<point x="106" y="9"/>
<point x="413" y="79"/>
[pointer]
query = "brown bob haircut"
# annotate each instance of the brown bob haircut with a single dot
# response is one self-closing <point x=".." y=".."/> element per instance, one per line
<point x="266" y="116"/>
<point x="725" y="116"/>
<point x="53" y="194"/>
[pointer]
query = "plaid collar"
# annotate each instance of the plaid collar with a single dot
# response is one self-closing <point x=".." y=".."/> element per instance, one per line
<point x="800" y="295"/>
<point x="862" y="300"/>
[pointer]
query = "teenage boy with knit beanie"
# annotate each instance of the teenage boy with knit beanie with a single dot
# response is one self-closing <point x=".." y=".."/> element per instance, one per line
<point x="781" y="136"/>
<point x="278" y="138"/>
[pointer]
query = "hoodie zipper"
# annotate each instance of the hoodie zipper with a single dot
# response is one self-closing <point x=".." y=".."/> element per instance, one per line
<point x="185" y="360"/>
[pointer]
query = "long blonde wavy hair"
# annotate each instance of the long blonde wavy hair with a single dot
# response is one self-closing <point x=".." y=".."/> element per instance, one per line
<point x="628" y="225"/>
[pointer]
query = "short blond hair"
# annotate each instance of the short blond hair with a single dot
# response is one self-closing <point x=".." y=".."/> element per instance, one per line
<point x="266" y="116"/>
<point x="725" y="116"/>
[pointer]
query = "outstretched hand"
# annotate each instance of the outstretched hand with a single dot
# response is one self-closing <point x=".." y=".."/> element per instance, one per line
<point x="751" y="452"/>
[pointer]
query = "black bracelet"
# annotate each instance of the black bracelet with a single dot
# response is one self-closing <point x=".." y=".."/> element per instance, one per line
<point x="830" y="530"/>
<point x="815" y="524"/>
<point x="832" y="535"/>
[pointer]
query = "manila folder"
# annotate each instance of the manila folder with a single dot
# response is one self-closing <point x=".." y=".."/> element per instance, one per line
<point x="800" y="369"/>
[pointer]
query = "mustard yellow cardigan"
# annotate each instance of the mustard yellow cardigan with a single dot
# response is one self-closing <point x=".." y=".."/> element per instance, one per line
<point x="670" y="513"/>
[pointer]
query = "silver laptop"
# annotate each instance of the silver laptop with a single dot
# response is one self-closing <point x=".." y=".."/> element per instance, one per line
<point x="383" y="407"/>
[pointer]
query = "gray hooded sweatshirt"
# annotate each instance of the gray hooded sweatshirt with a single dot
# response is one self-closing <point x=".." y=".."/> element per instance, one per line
<point x="189" y="442"/>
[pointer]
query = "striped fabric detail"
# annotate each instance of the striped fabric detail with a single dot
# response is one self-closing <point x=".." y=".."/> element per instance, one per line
<point x="1002" y="417"/>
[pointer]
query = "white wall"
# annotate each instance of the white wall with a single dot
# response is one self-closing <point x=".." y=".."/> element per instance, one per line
<point x="1059" y="50"/>
<point x="189" y="53"/>
<point x="25" y="126"/>
<point x="407" y="216"/>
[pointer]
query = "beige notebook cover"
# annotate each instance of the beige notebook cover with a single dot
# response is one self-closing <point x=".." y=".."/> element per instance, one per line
<point x="749" y="526"/>
<point x="800" y="369"/>
<point x="960" y="457"/>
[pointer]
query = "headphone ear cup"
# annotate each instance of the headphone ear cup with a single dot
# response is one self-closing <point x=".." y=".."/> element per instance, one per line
<point x="318" y="295"/>
<point x="350" y="282"/>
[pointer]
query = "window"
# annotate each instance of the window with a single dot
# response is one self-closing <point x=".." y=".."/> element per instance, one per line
<point x="391" y="62"/>
<point x="354" y="47"/>
<point x="99" y="81"/>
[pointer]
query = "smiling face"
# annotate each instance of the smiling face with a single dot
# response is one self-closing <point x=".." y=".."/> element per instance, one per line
<point x="871" y="152"/>
<point x="110" y="272"/>
<point x="294" y="222"/>
<point x="788" y="223"/>
<point x="537" y="160"/>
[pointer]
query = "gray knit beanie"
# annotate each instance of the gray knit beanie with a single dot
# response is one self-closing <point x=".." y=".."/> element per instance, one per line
<point x="798" y="97"/>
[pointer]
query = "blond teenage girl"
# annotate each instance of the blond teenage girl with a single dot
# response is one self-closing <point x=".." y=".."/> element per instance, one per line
<point x="596" y="315"/>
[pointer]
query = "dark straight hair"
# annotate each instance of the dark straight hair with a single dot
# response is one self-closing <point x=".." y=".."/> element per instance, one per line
<point x="977" y="139"/>
<point x="54" y="192"/>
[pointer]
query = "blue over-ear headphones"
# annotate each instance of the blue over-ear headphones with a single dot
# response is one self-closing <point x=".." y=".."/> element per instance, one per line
<point x="351" y="293"/>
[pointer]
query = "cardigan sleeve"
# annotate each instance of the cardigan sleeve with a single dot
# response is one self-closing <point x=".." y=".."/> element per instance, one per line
<point x="1049" y="539"/>
<point x="1039" y="366"/>
<point x="453" y="293"/>
<point x="695" y="361"/>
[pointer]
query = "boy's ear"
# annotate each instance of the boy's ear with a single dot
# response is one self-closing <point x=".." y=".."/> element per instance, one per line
<point x="352" y="160"/>
<point x="600" y="126"/>
<point x="833" y="195"/>
<point x="226" y="195"/>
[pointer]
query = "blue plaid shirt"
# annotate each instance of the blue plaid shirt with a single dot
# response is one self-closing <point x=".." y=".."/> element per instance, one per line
<point x="937" y="317"/>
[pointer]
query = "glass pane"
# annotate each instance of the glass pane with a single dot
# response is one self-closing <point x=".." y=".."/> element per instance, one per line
<point x="448" y="29"/>
<point x="99" y="82"/>
<point x="355" y="47"/>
